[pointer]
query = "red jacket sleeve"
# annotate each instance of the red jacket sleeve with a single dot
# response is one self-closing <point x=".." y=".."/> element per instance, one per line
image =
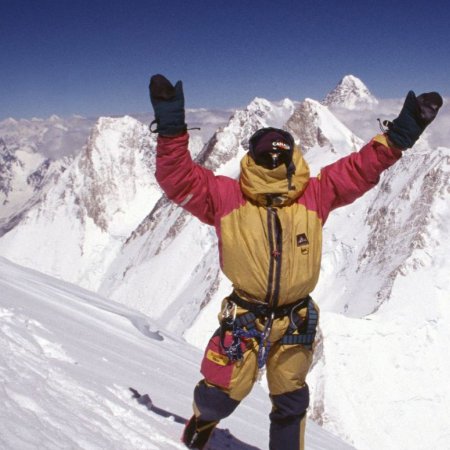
<point x="190" y="185"/>
<point x="349" y="178"/>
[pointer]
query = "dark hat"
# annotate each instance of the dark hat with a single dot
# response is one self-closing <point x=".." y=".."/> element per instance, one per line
<point x="270" y="147"/>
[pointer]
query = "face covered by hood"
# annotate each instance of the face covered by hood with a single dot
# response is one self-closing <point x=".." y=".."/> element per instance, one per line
<point x="273" y="172"/>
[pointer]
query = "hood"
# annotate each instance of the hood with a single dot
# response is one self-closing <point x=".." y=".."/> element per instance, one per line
<point x="268" y="187"/>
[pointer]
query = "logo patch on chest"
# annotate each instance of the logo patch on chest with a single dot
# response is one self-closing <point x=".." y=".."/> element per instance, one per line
<point x="302" y="240"/>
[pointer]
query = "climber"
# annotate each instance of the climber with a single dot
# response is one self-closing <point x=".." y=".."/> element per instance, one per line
<point x="269" y="228"/>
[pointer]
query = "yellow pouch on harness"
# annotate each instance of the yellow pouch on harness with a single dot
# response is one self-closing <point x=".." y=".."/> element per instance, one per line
<point x="217" y="358"/>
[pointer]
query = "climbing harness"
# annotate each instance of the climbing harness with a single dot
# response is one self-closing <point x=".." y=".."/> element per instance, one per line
<point x="243" y="327"/>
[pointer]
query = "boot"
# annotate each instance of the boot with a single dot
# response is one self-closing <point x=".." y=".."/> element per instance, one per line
<point x="197" y="433"/>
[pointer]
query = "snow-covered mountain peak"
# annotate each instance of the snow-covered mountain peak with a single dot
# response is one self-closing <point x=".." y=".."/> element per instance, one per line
<point x="115" y="163"/>
<point x="225" y="149"/>
<point x="314" y="126"/>
<point x="8" y="122"/>
<point x="121" y="122"/>
<point x="258" y="103"/>
<point x="350" y="93"/>
<point x="114" y="135"/>
<point x="273" y="112"/>
<point x="33" y="155"/>
<point x="55" y="118"/>
<point x="102" y="196"/>
<point x="53" y="137"/>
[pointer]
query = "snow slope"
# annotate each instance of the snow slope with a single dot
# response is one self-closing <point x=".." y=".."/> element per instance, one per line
<point x="67" y="358"/>
<point x="368" y="388"/>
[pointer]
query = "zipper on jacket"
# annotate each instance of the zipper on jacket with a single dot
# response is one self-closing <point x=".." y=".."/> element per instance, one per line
<point x="275" y="248"/>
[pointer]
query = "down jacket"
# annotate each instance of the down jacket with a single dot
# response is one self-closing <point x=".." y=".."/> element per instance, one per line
<point x="270" y="237"/>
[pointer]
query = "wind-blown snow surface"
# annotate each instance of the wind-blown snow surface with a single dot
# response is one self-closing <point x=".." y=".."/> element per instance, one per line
<point x="67" y="358"/>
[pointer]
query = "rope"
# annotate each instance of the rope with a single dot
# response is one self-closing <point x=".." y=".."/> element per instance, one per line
<point x="234" y="351"/>
<point x="235" y="325"/>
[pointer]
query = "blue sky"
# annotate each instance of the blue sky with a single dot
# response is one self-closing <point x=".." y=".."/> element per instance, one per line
<point x="95" y="57"/>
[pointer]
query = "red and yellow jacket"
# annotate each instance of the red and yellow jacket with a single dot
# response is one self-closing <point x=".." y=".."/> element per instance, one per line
<point x="270" y="237"/>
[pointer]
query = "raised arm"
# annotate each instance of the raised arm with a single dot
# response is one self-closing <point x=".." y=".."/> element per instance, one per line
<point x="188" y="184"/>
<point x="344" y="181"/>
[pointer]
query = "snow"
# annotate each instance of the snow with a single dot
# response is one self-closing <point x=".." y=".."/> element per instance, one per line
<point x="98" y="201"/>
<point x="53" y="137"/>
<point x="68" y="357"/>
<point x="361" y="390"/>
<point x="380" y="368"/>
<point x="20" y="191"/>
<point x="276" y="114"/>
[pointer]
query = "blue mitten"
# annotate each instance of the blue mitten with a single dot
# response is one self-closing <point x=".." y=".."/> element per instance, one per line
<point x="168" y="104"/>
<point x="417" y="113"/>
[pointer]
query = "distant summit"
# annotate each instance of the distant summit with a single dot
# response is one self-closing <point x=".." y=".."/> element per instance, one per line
<point x="350" y="93"/>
